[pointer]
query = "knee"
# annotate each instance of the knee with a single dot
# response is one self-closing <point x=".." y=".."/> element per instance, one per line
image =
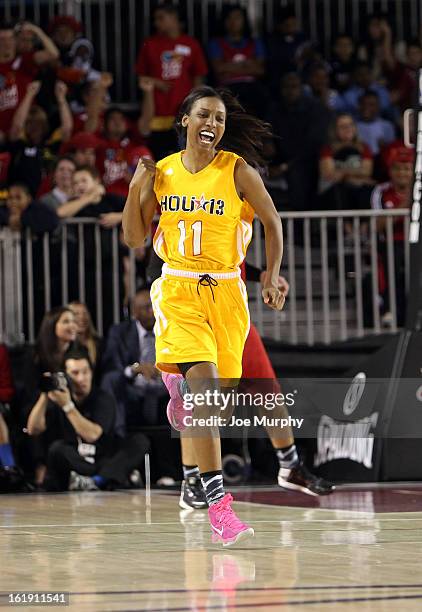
<point x="56" y="450"/>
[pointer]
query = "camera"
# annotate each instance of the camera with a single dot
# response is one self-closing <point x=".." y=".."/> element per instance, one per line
<point x="53" y="381"/>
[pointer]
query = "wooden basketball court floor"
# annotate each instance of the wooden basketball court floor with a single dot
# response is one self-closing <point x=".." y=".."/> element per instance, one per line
<point x="358" y="549"/>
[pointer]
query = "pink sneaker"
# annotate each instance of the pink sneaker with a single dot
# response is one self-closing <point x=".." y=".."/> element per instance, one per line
<point x="225" y="525"/>
<point x="175" y="408"/>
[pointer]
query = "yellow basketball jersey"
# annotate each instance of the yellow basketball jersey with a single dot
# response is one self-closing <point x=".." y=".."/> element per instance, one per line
<point x="204" y="225"/>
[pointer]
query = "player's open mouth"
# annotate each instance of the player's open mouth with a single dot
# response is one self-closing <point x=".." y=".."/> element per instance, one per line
<point x="207" y="137"/>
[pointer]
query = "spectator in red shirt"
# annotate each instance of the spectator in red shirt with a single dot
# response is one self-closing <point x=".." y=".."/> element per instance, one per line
<point x="88" y="111"/>
<point x="122" y="146"/>
<point x="176" y="64"/>
<point x="395" y="193"/>
<point x="17" y="71"/>
<point x="66" y="32"/>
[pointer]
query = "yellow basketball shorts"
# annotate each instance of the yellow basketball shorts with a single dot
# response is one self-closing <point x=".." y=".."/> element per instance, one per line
<point x="200" y="322"/>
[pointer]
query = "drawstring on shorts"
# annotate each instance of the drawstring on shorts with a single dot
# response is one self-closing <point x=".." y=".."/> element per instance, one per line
<point x="207" y="281"/>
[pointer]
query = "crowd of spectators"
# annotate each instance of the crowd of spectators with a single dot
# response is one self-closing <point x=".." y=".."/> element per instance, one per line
<point x="83" y="411"/>
<point x="68" y="150"/>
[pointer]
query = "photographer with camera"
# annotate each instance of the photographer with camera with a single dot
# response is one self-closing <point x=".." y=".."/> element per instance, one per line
<point x="57" y="336"/>
<point x="87" y="455"/>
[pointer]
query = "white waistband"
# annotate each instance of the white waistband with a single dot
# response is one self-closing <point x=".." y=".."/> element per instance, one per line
<point x="191" y="274"/>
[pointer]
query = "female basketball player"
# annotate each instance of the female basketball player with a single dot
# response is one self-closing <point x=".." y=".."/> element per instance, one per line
<point x="208" y="195"/>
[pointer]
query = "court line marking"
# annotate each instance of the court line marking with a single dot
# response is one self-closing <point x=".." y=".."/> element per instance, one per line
<point x="362" y="513"/>
<point x="283" y="604"/>
<point x="253" y="589"/>
<point x="257" y="521"/>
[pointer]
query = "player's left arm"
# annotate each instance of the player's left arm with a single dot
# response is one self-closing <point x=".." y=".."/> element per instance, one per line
<point x="250" y="187"/>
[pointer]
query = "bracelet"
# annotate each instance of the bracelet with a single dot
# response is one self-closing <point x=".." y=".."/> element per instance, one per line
<point x="68" y="407"/>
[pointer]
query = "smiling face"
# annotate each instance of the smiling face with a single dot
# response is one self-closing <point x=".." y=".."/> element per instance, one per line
<point x="18" y="199"/>
<point x="66" y="327"/>
<point x="80" y="312"/>
<point x="63" y="174"/>
<point x="205" y="123"/>
<point x="83" y="183"/>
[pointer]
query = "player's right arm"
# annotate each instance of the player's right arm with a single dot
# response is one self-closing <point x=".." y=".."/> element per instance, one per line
<point x="140" y="205"/>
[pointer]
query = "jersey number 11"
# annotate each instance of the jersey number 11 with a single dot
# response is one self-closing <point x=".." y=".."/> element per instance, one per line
<point x="197" y="233"/>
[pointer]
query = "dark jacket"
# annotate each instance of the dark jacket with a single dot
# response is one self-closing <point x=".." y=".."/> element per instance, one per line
<point x="122" y="347"/>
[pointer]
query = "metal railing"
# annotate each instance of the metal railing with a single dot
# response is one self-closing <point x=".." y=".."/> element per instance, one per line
<point x="117" y="27"/>
<point x="331" y="260"/>
<point x="333" y="275"/>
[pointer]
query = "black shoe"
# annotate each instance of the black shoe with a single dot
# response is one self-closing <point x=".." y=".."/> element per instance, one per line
<point x="299" y="478"/>
<point x="12" y="480"/>
<point x="192" y="494"/>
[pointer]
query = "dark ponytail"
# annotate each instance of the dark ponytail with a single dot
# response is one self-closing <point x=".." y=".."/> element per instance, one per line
<point x="244" y="134"/>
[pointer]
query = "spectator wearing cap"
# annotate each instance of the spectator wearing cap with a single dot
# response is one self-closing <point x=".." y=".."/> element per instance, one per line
<point x="82" y="148"/>
<point x="65" y="30"/>
<point x="18" y="70"/>
<point x="393" y="194"/>
<point x="175" y="62"/>
<point x="32" y="144"/>
<point x="75" y="66"/>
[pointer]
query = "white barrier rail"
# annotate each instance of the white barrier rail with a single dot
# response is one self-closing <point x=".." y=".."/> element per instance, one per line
<point x="332" y="261"/>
